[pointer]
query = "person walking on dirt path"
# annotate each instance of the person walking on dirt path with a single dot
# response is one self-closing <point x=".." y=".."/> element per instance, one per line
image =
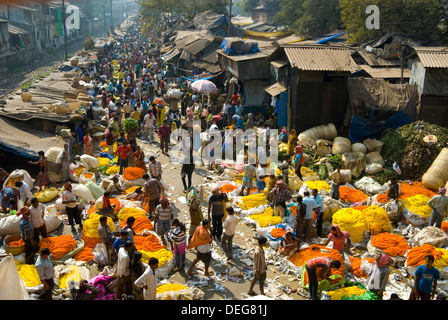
<point x="164" y="133"/>
<point x="163" y="216"/>
<point x="151" y="195"/>
<point x="229" y="226"/>
<point x="259" y="267"/>
<point x="216" y="203"/>
<point x="201" y="240"/>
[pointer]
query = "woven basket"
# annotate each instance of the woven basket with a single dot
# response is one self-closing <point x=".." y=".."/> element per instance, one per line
<point x="26" y="96"/>
<point x="437" y="174"/>
<point x="13" y="250"/>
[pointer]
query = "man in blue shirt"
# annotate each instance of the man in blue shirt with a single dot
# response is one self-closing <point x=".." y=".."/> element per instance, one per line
<point x="45" y="270"/>
<point x="425" y="280"/>
<point x="118" y="243"/>
<point x="309" y="204"/>
<point x="239" y="109"/>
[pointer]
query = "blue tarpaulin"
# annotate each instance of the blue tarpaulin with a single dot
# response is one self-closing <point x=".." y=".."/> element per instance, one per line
<point x="234" y="47"/>
<point x="362" y="128"/>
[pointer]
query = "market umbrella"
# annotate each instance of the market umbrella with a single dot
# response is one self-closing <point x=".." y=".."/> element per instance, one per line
<point x="203" y="86"/>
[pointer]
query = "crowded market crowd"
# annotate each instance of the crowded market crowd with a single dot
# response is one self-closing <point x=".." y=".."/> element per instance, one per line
<point x="131" y="83"/>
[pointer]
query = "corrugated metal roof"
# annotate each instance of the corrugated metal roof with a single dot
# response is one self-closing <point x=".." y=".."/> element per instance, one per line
<point x="320" y="58"/>
<point x="170" y="55"/>
<point x="15" y="28"/>
<point x="375" y="61"/>
<point x="433" y="57"/>
<point x="386" y="73"/>
<point x="198" y="45"/>
<point x="210" y="67"/>
<point x="275" y="89"/>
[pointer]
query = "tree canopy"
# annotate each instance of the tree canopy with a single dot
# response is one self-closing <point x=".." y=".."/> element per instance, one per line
<point x="415" y="17"/>
<point x="153" y="13"/>
<point x="309" y="17"/>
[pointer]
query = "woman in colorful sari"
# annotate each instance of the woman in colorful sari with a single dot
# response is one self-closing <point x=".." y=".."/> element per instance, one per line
<point x="289" y="244"/>
<point x="43" y="179"/>
<point x="139" y="158"/>
<point x="88" y="144"/>
<point x="292" y="142"/>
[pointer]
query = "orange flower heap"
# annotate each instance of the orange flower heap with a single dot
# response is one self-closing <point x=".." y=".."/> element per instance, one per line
<point x="227" y="188"/>
<point x="409" y="190"/>
<point x="416" y="256"/>
<point x="58" y="246"/>
<point x="313" y="251"/>
<point x="133" y="173"/>
<point x="351" y="195"/>
<point x="277" y="233"/>
<point x="356" y="266"/>
<point x="393" y="244"/>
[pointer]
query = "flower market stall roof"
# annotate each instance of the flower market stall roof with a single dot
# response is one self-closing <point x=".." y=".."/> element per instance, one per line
<point x="386" y="73"/>
<point x="433" y="57"/>
<point x="320" y="58"/>
<point x="26" y="142"/>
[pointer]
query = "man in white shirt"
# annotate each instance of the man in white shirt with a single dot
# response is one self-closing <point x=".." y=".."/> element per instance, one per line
<point x="225" y="112"/>
<point x="229" y="226"/>
<point x="123" y="272"/>
<point x="148" y="280"/>
<point x="25" y="192"/>
<point x="69" y="199"/>
<point x="148" y="122"/>
<point x="37" y="213"/>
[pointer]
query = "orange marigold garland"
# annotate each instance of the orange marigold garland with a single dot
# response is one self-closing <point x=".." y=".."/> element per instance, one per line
<point x="277" y="232"/>
<point x="409" y="190"/>
<point x="416" y="256"/>
<point x="313" y="251"/>
<point x="351" y="195"/>
<point x="393" y="244"/>
<point x="227" y="188"/>
<point x="148" y="243"/>
<point x="140" y="224"/>
<point x="133" y="173"/>
<point x="17" y="243"/>
<point x="86" y="254"/>
<point x="356" y="266"/>
<point x="58" y="246"/>
<point x="444" y="226"/>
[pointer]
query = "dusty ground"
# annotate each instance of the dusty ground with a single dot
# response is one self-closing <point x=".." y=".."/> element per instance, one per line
<point x="217" y="287"/>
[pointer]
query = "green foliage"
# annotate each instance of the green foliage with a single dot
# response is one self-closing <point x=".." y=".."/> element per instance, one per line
<point x="309" y="17"/>
<point x="405" y="146"/>
<point x="130" y="125"/>
<point x="248" y="5"/>
<point x="416" y="17"/>
<point x="335" y="160"/>
<point x="154" y="13"/>
<point x="89" y="43"/>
